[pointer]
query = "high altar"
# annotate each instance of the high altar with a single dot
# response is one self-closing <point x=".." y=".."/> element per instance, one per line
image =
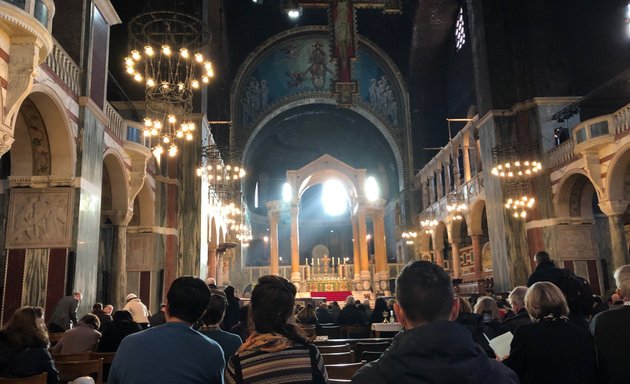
<point x="323" y="275"/>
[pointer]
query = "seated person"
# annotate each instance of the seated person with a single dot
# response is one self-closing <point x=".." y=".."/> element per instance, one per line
<point x="350" y="314"/>
<point x="24" y="346"/>
<point x="323" y="314"/>
<point x="82" y="338"/>
<point x="307" y="315"/>
<point x="277" y="352"/>
<point x="159" y="318"/>
<point x="103" y="317"/>
<point x="114" y="332"/>
<point x="229" y="342"/>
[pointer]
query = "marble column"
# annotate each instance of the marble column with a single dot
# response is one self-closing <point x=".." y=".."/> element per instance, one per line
<point x="477" y="257"/>
<point x="439" y="257"/>
<point x="219" y="269"/>
<point x="363" y="250"/>
<point x="618" y="241"/>
<point x="456" y="262"/>
<point x="274" y="261"/>
<point x="456" y="170"/>
<point x="380" y="257"/>
<point x="119" y="259"/>
<point x="212" y="261"/>
<point x="466" y="154"/>
<point x="355" y="249"/>
<point x="615" y="209"/>
<point x="295" y="245"/>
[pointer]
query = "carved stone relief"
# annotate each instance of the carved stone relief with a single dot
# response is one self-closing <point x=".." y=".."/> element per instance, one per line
<point x="40" y="218"/>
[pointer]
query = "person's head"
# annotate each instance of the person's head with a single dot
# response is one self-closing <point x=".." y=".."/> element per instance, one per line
<point x="229" y="292"/>
<point x="487" y="307"/>
<point x="211" y="281"/>
<point x="622" y="279"/>
<point x="98" y="307"/>
<point x="130" y="297"/>
<point x="334" y="305"/>
<point x="366" y="304"/>
<point x="541" y="257"/>
<point x="187" y="299"/>
<point x="77" y="295"/>
<point x="216" y="310"/>
<point x="543" y="299"/>
<point x="323" y="306"/>
<point x="26" y="328"/>
<point x="108" y="309"/>
<point x="516" y="298"/>
<point x="380" y="305"/>
<point x="615" y="298"/>
<point x="91" y="320"/>
<point x="122" y="316"/>
<point x="350" y="301"/>
<point x="272" y="303"/>
<point x="464" y="305"/>
<point x="424" y="294"/>
<point x="390" y="304"/>
<point x="162" y="307"/>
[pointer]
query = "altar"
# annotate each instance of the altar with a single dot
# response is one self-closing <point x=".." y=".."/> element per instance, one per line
<point x="324" y="275"/>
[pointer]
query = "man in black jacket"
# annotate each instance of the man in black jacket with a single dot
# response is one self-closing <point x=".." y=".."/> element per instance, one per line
<point x="545" y="270"/>
<point x="432" y="349"/>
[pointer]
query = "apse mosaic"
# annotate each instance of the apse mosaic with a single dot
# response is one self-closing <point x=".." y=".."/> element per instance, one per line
<point x="303" y="65"/>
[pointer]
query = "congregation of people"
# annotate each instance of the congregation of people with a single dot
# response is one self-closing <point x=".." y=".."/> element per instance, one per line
<point x="202" y="334"/>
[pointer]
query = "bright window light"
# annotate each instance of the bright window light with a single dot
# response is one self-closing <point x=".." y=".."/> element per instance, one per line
<point x="287" y="193"/>
<point x="371" y="188"/>
<point x="334" y="198"/>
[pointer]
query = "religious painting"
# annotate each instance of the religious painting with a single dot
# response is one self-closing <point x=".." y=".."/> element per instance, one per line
<point x="376" y="87"/>
<point x="40" y="219"/>
<point x="342" y="15"/>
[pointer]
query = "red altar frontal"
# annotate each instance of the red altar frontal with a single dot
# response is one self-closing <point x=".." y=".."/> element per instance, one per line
<point x="338" y="296"/>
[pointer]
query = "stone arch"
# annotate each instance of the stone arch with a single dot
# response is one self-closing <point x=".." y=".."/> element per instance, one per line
<point x="114" y="167"/>
<point x="574" y="197"/>
<point x="618" y="177"/>
<point x="476" y="217"/>
<point x="247" y="129"/>
<point x="144" y="207"/>
<point x="44" y="143"/>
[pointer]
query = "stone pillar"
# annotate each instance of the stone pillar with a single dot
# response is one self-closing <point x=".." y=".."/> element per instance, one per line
<point x="476" y="248"/>
<point x="466" y="154"/>
<point x="439" y="257"/>
<point x="432" y="191"/>
<point x="219" y="269"/>
<point x="363" y="250"/>
<point x="212" y="261"/>
<point x="447" y="174"/>
<point x="295" y="245"/>
<point x="456" y="170"/>
<point x="615" y="209"/>
<point x="456" y="262"/>
<point x="380" y="254"/>
<point x="274" y="261"/>
<point x="355" y="248"/>
<point x="440" y="190"/>
<point x="119" y="259"/>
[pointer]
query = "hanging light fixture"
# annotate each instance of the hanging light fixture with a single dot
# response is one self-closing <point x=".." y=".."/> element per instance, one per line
<point x="456" y="206"/>
<point x="166" y="56"/>
<point x="429" y="225"/>
<point x="409" y="236"/>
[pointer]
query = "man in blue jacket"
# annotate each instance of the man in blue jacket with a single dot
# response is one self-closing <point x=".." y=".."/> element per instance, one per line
<point x="172" y="352"/>
<point x="432" y="349"/>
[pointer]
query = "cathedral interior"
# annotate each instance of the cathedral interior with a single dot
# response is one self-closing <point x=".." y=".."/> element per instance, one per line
<point x="327" y="141"/>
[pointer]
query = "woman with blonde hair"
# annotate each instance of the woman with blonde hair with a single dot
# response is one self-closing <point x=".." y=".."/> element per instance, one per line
<point x="551" y="349"/>
<point x="24" y="346"/>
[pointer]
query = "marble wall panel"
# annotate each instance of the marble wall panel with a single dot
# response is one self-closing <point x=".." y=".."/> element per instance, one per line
<point x="40" y="218"/>
<point x="140" y="251"/>
<point x="35" y="277"/>
<point x="575" y="242"/>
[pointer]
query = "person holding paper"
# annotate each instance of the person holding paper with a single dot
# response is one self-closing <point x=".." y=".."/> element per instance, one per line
<point x="551" y="349"/>
<point x="432" y="349"/>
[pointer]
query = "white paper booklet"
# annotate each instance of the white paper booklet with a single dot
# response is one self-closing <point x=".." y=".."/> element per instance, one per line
<point x="501" y="344"/>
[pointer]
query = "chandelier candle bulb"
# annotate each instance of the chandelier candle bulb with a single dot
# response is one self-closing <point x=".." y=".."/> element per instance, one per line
<point x="184" y="53"/>
<point x="135" y="55"/>
<point x="166" y="50"/>
<point x="148" y="50"/>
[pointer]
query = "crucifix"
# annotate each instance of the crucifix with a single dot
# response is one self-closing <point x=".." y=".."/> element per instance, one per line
<point x="341" y="15"/>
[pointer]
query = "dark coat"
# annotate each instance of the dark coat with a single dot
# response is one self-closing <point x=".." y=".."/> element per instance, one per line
<point x="157" y="319"/>
<point x="546" y="271"/>
<point x="114" y="333"/>
<point x="552" y="351"/>
<point x="22" y="362"/>
<point x="103" y="317"/>
<point x="612" y="341"/>
<point x="438" y="352"/>
<point x="231" y="313"/>
<point x="521" y="318"/>
<point x="351" y="315"/>
<point x="323" y="316"/>
<point x="65" y="313"/>
<point x="473" y="322"/>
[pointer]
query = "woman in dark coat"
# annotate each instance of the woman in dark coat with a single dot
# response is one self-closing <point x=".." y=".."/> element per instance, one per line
<point x="24" y="346"/>
<point x="552" y="349"/>
<point x="121" y="327"/>
<point x="233" y="306"/>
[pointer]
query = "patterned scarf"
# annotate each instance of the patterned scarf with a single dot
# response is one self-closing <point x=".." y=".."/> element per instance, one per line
<point x="266" y="342"/>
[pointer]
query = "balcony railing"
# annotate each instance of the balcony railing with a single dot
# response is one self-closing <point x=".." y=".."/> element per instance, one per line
<point x="62" y="65"/>
<point x="621" y="120"/>
<point x="116" y="124"/>
<point x="560" y="154"/>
